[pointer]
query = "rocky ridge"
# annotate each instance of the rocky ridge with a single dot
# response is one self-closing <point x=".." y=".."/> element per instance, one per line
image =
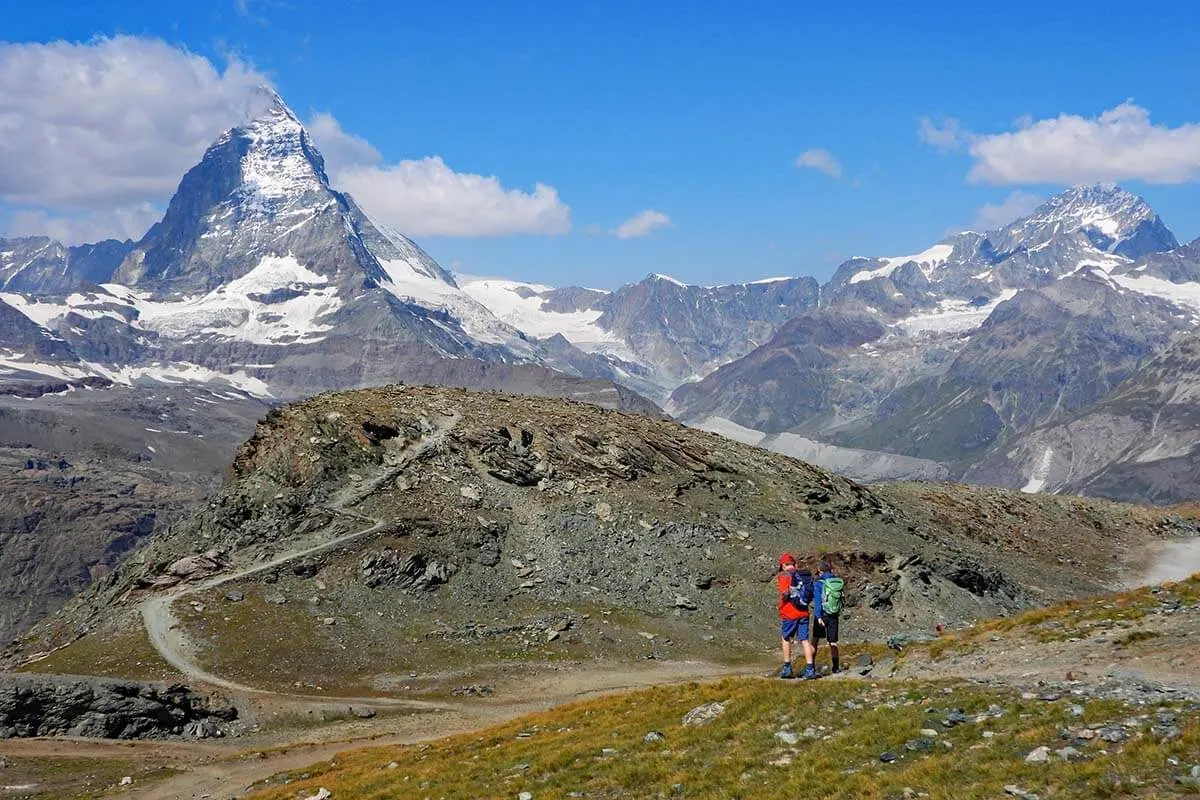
<point x="464" y="517"/>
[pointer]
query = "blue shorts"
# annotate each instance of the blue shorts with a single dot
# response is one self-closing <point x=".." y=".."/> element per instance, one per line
<point x="794" y="628"/>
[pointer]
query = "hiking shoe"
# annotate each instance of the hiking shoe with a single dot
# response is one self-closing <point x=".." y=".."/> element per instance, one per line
<point x="836" y="669"/>
<point x="786" y="672"/>
<point x="810" y="673"/>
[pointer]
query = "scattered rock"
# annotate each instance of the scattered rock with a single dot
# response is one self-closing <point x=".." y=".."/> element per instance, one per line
<point x="603" y="512"/>
<point x="470" y="492"/>
<point x="525" y="796"/>
<point x="275" y="599"/>
<point x="235" y="596"/>
<point x="126" y="781"/>
<point x="474" y="690"/>
<point x="322" y="794"/>
<point x="363" y="712"/>
<point x="954" y="717"/>
<point x="787" y="737"/>
<point x="1017" y="791"/>
<point x="653" y="736"/>
<point x="202" y="729"/>
<point x="1039" y="755"/>
<point x="1114" y="734"/>
<point x="922" y="743"/>
<point x="1070" y="754"/>
<point x="702" y="715"/>
<point x="887" y="758"/>
<point x="685" y="603"/>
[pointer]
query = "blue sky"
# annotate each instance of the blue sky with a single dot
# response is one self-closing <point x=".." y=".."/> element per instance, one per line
<point x="697" y="112"/>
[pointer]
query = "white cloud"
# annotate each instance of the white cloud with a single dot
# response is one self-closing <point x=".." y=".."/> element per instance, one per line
<point x="111" y="122"/>
<point x="94" y="134"/>
<point x="1119" y="144"/>
<point x="820" y="159"/>
<point x="341" y="150"/>
<point x="642" y="223"/>
<point x="946" y="137"/>
<point x="427" y="198"/>
<point x="124" y="222"/>
<point x="996" y="215"/>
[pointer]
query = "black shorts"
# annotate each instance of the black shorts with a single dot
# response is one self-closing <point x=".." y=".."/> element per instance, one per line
<point x="828" y="631"/>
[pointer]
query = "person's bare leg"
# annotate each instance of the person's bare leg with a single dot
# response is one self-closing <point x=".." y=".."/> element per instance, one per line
<point x="833" y="654"/>
<point x="787" y="651"/>
<point x="810" y="652"/>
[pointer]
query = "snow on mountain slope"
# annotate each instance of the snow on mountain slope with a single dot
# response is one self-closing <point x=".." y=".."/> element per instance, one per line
<point x="927" y="259"/>
<point x="1184" y="295"/>
<point x="523" y="306"/>
<point x="952" y="315"/>
<point x="175" y="373"/>
<point x="277" y="302"/>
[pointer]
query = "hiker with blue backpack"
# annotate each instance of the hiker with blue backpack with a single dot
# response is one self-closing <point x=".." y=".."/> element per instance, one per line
<point x="795" y="593"/>
<point x="827" y="607"/>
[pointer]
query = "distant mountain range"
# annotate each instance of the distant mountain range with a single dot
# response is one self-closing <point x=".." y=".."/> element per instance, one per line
<point x="964" y="360"/>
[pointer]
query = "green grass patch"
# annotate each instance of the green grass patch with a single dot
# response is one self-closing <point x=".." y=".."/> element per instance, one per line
<point x="1072" y="619"/>
<point x="598" y="749"/>
<point x="111" y="654"/>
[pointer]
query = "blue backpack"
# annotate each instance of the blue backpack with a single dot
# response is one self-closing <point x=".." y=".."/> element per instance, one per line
<point x="801" y="593"/>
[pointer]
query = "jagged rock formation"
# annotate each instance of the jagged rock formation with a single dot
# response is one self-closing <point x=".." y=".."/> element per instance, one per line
<point x="106" y="709"/>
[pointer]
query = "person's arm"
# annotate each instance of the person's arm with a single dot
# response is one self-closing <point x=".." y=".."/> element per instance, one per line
<point x="818" y="586"/>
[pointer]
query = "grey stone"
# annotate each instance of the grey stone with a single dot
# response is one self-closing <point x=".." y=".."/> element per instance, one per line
<point x="704" y="714"/>
<point x="1070" y="754"/>
<point x="787" y="737"/>
<point x="1039" y="755"/>
<point x="653" y="736"/>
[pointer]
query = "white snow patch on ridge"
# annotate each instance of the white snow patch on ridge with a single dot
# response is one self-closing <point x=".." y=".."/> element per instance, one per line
<point x="953" y="316"/>
<point x="927" y="260"/>
<point x="412" y="282"/>
<point x="173" y="374"/>
<point x="230" y="312"/>
<point x="1041" y="471"/>
<point x="522" y="305"/>
<point x="1181" y="294"/>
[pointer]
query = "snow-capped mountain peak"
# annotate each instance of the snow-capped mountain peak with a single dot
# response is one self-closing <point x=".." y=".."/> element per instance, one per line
<point x="280" y="164"/>
<point x="1110" y="218"/>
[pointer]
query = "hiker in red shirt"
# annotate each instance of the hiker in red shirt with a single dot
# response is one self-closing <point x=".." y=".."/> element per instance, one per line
<point x="795" y="593"/>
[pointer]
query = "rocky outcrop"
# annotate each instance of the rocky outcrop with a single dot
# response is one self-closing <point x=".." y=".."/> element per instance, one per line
<point x="107" y="709"/>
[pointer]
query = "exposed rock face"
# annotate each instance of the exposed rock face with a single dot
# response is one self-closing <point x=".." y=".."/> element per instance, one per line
<point x="1140" y="442"/>
<point x="41" y="266"/>
<point x="790" y="381"/>
<point x="685" y="330"/>
<point x="983" y="337"/>
<point x="106" y="709"/>
<point x="1037" y="358"/>
<point x="136" y="460"/>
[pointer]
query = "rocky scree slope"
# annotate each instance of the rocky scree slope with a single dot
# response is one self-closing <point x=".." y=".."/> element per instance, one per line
<point x="525" y="523"/>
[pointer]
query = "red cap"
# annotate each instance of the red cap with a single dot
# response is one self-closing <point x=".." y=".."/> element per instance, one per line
<point x="787" y="558"/>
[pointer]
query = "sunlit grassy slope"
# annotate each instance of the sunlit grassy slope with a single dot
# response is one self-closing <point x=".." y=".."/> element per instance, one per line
<point x="600" y="748"/>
